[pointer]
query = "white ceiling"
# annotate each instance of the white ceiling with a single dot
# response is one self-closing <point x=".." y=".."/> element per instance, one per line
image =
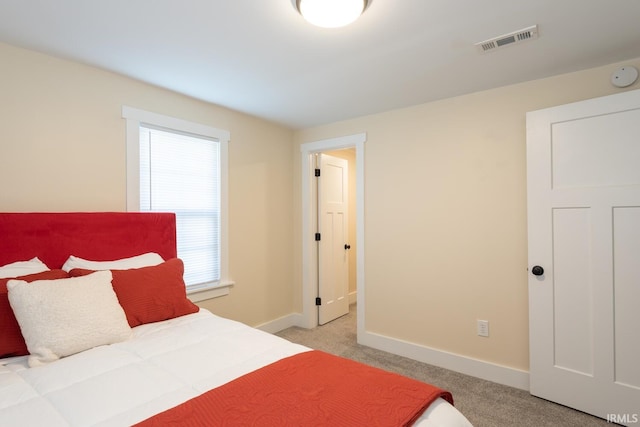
<point x="262" y="58"/>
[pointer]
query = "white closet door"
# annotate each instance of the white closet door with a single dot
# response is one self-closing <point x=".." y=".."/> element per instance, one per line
<point x="583" y="179"/>
<point x="333" y="265"/>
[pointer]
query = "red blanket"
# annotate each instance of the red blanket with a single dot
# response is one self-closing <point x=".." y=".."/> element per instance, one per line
<point x="309" y="389"/>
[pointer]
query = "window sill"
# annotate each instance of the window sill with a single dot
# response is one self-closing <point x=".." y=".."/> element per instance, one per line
<point x="209" y="291"/>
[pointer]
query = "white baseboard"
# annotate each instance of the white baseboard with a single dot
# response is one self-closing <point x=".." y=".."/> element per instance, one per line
<point x="353" y="297"/>
<point x="281" y="323"/>
<point x="477" y="368"/>
<point x="466" y="365"/>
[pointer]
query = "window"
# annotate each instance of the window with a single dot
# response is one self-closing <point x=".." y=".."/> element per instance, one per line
<point x="178" y="166"/>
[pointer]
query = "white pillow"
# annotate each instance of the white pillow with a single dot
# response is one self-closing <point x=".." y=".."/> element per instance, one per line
<point x="66" y="316"/>
<point x="22" y="268"/>
<point x="145" y="260"/>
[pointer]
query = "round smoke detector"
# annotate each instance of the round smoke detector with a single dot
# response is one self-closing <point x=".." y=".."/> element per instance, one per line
<point x="624" y="76"/>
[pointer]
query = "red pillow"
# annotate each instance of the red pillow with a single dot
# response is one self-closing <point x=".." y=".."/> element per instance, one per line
<point x="150" y="294"/>
<point x="11" y="340"/>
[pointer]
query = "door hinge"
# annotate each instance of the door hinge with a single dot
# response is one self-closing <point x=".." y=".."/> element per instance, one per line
<point x="318" y="301"/>
<point x="317" y="172"/>
<point x="317" y="237"/>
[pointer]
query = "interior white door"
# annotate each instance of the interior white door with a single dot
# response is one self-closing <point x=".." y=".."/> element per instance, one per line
<point x="583" y="183"/>
<point x="333" y="266"/>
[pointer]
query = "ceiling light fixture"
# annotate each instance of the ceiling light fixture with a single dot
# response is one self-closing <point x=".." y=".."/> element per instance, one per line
<point x="331" y="13"/>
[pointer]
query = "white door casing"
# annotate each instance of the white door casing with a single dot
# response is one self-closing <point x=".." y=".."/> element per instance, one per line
<point x="583" y="185"/>
<point x="309" y="317"/>
<point x="333" y="261"/>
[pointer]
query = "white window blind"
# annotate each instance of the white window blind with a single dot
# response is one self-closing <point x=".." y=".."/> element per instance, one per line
<point x="181" y="173"/>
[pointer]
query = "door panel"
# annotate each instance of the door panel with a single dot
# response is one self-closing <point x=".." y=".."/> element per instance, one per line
<point x="573" y="313"/>
<point x="627" y="294"/>
<point x="592" y="152"/>
<point x="583" y="194"/>
<point x="333" y="262"/>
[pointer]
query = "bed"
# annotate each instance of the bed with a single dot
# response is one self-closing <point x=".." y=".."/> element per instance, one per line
<point x="96" y="330"/>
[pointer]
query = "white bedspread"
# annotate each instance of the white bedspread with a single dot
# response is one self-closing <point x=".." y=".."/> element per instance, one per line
<point x="166" y="363"/>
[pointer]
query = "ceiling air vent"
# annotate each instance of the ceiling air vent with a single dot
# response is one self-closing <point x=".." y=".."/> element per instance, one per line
<point x="507" y="39"/>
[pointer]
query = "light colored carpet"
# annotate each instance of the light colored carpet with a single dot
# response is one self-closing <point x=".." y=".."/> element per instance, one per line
<point x="484" y="403"/>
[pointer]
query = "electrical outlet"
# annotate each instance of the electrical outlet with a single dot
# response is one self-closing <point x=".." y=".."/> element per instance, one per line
<point x="483" y="328"/>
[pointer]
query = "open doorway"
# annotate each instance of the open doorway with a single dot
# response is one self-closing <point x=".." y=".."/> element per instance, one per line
<point x="353" y="146"/>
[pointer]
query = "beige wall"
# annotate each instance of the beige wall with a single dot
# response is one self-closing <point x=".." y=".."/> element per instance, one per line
<point x="445" y="194"/>
<point x="62" y="148"/>
<point x="445" y="214"/>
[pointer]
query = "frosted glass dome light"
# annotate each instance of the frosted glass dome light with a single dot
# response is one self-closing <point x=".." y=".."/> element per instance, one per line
<point x="331" y="13"/>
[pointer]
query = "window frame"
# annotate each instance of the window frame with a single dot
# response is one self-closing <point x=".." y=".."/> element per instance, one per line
<point x="136" y="117"/>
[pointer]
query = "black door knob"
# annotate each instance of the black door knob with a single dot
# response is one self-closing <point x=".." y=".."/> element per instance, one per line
<point x="537" y="270"/>
<point x="346" y="246"/>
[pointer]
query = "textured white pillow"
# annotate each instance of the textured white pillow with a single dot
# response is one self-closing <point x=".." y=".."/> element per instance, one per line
<point x="66" y="316"/>
<point x="22" y="268"/>
<point x="145" y="260"/>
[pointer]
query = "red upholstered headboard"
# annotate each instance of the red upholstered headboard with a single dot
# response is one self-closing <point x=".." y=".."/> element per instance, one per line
<point x="97" y="236"/>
